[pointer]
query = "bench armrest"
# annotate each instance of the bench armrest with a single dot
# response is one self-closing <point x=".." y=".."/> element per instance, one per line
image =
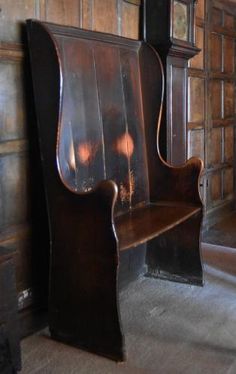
<point x="180" y="183"/>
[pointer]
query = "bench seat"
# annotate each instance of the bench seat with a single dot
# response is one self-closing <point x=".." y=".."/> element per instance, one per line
<point x="145" y="223"/>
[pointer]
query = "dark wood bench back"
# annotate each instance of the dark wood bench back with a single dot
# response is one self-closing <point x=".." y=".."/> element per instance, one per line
<point x="101" y="131"/>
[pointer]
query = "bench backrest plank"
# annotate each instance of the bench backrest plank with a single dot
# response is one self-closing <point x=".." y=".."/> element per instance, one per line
<point x="101" y="133"/>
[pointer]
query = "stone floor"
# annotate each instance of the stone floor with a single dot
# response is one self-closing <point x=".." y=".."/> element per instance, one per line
<point x="223" y="233"/>
<point x="169" y="328"/>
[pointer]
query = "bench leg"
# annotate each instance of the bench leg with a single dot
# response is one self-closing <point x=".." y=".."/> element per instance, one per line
<point x="176" y="255"/>
<point x="84" y="306"/>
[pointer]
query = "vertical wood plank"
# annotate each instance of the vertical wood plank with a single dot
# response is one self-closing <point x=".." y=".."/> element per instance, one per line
<point x="228" y="187"/>
<point x="215" y="147"/>
<point x="200" y="9"/>
<point x="12" y="106"/>
<point x="65" y="12"/>
<point x="229" y="99"/>
<point x="229" y="55"/>
<point x="14" y="187"/>
<point x="216" y="17"/>
<point x="229" y="21"/>
<point x="137" y="160"/>
<point x="105" y="16"/>
<point x="12" y="16"/>
<point x="215" y="92"/>
<point x="216" y="52"/>
<point x="130" y="21"/>
<point x="197" y="61"/>
<point x="196" y="100"/>
<point x="216" y="187"/>
<point x="81" y="135"/>
<point x="118" y="143"/>
<point x="229" y="144"/>
<point x="86" y="16"/>
<point x="196" y="144"/>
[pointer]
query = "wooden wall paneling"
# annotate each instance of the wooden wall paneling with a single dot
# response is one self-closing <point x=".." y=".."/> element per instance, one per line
<point x="216" y="52"/>
<point x="86" y="14"/>
<point x="215" y="187"/>
<point x="229" y="144"/>
<point x="130" y="20"/>
<point x="65" y="12"/>
<point x="197" y="62"/>
<point x="229" y="21"/>
<point x="196" y="105"/>
<point x="200" y="9"/>
<point x="228" y="186"/>
<point x="215" y="151"/>
<point x="229" y="54"/>
<point x="14" y="189"/>
<point x="216" y="17"/>
<point x="229" y="99"/>
<point x="104" y="16"/>
<point x="196" y="143"/>
<point x="215" y="94"/>
<point x="12" y="16"/>
<point x="12" y="114"/>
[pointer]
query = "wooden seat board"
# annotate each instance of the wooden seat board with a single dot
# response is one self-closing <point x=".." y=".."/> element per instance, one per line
<point x="144" y="223"/>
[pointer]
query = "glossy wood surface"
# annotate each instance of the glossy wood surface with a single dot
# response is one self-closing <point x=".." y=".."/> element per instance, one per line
<point x="142" y="224"/>
<point x="22" y="213"/>
<point x="98" y="123"/>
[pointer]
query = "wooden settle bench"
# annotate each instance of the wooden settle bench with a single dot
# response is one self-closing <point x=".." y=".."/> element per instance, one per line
<point x="98" y="101"/>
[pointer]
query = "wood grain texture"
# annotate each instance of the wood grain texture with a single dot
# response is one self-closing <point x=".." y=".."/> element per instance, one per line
<point x="196" y="144"/>
<point x="229" y="152"/>
<point x="200" y="9"/>
<point x="229" y="21"/>
<point x="228" y="186"/>
<point x="105" y="16"/>
<point x="229" y="102"/>
<point x="12" y="16"/>
<point x="12" y="105"/>
<point x="86" y="16"/>
<point x="65" y="12"/>
<point x="22" y="198"/>
<point x="84" y="306"/>
<point x="215" y="150"/>
<point x="140" y="225"/>
<point x="196" y="109"/>
<point x="216" y="187"/>
<point x="197" y="62"/>
<point x="215" y="92"/>
<point x="229" y="55"/>
<point x="15" y="189"/>
<point x="216" y="17"/>
<point x="216" y="52"/>
<point x="130" y="21"/>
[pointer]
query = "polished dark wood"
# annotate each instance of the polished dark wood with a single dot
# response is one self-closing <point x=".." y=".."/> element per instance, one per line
<point x="22" y="202"/>
<point x="99" y="100"/>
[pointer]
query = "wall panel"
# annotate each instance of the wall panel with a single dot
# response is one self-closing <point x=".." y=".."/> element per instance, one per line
<point x="218" y="22"/>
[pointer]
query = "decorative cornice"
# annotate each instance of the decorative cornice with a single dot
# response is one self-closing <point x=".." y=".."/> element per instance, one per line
<point x="178" y="49"/>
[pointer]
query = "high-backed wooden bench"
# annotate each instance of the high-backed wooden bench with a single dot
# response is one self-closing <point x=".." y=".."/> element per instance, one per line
<point x="98" y="101"/>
